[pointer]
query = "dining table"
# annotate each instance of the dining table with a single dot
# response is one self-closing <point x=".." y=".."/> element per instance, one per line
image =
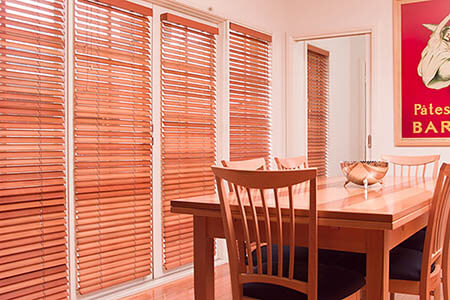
<point x="351" y="218"/>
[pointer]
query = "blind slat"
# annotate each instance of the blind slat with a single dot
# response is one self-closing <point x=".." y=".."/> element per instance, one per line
<point x="188" y="85"/>
<point x="113" y="142"/>
<point x="318" y="109"/>
<point x="250" y="93"/>
<point x="32" y="141"/>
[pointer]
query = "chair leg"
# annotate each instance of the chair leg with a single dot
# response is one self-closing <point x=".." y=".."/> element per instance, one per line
<point x="426" y="295"/>
<point x="437" y="292"/>
<point x="355" y="296"/>
<point x="392" y="296"/>
<point x="445" y="285"/>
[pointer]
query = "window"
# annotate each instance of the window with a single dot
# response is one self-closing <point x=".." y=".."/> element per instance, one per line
<point x="113" y="143"/>
<point x="250" y="93"/>
<point x="32" y="141"/>
<point x="188" y="138"/>
<point x="318" y="66"/>
<point x="108" y="135"/>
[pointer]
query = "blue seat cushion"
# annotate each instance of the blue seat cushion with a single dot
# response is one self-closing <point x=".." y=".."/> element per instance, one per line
<point x="333" y="283"/>
<point x="404" y="263"/>
<point x="300" y="254"/>
<point x="415" y="242"/>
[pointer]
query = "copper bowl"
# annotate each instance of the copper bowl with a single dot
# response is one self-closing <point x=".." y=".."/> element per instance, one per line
<point x="364" y="172"/>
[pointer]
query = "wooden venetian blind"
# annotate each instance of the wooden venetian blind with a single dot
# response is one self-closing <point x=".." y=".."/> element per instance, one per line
<point x="113" y="143"/>
<point x="318" y="66"/>
<point x="33" y="236"/>
<point x="188" y="84"/>
<point x="250" y="93"/>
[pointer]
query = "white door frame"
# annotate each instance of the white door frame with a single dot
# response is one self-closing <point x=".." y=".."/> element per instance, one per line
<point x="369" y="33"/>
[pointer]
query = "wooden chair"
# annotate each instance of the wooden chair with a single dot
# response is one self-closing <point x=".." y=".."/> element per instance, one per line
<point x="291" y="163"/>
<point x="415" y="272"/>
<point x="249" y="164"/>
<point x="254" y="213"/>
<point x="445" y="264"/>
<point x="435" y="254"/>
<point x="413" y="163"/>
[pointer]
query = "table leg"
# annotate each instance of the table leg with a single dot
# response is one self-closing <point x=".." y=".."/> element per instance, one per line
<point x="377" y="265"/>
<point x="203" y="261"/>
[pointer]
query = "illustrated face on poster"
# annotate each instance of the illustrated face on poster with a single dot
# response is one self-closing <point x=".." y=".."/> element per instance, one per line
<point x="425" y="81"/>
<point x="434" y="67"/>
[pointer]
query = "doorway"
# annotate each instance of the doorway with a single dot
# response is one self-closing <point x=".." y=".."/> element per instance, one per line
<point x="348" y="136"/>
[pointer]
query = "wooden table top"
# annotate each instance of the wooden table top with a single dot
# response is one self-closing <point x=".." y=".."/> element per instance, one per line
<point x="386" y="206"/>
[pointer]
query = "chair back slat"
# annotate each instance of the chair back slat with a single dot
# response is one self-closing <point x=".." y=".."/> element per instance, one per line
<point x="279" y="232"/>
<point x="291" y="163"/>
<point x="441" y="216"/>
<point x="242" y="253"/>
<point x="313" y="256"/>
<point x="233" y="254"/>
<point x="245" y="228"/>
<point x="292" y="233"/>
<point x="259" y="210"/>
<point x="436" y="227"/>
<point x="413" y="163"/>
<point x="268" y="229"/>
<point x="257" y="235"/>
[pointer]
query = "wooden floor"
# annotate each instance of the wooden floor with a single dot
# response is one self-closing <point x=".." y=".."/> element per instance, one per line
<point x="184" y="289"/>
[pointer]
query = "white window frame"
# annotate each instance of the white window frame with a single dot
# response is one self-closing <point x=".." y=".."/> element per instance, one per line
<point x="158" y="275"/>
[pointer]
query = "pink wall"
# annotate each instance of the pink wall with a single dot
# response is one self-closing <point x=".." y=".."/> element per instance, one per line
<point x="302" y="18"/>
<point x="270" y="17"/>
<point x="265" y="15"/>
<point x="306" y="18"/>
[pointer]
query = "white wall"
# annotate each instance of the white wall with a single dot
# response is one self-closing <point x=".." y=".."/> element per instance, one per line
<point x="270" y="17"/>
<point x="308" y="18"/>
<point x="346" y="101"/>
<point x="296" y="112"/>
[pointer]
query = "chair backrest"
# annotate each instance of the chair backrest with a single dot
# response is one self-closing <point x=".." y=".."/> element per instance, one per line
<point x="291" y="163"/>
<point x="260" y="210"/>
<point x="437" y="232"/>
<point x="412" y="164"/>
<point x="249" y="164"/>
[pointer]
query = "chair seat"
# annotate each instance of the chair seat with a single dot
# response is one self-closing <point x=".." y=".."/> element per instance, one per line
<point x="333" y="283"/>
<point x="415" y="242"/>
<point x="404" y="263"/>
<point x="300" y="254"/>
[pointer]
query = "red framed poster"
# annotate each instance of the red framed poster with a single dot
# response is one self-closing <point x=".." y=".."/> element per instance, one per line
<point x="422" y="72"/>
